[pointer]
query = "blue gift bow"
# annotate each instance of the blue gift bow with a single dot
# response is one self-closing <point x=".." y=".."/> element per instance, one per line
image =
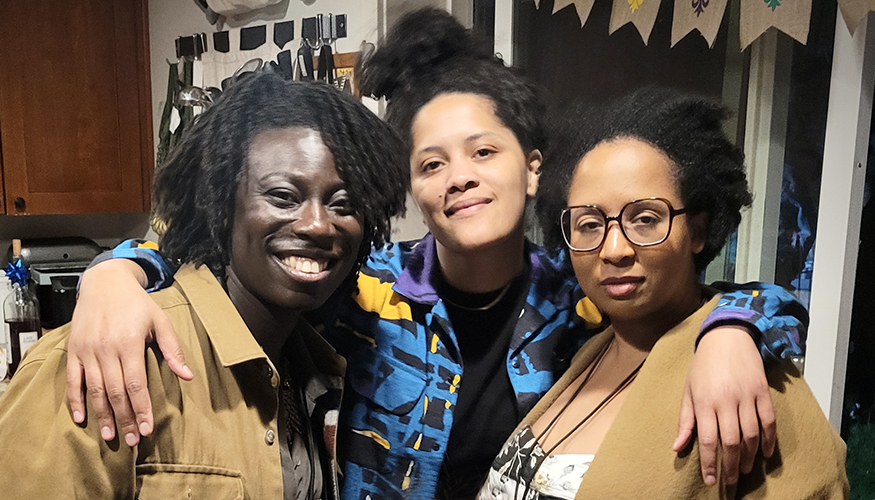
<point x="17" y="273"/>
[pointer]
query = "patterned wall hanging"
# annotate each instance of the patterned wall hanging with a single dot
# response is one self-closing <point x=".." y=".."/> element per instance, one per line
<point x="702" y="15"/>
<point x="854" y="11"/>
<point x="641" y="13"/>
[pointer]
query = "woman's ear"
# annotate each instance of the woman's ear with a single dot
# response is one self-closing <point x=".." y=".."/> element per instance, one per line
<point x="698" y="231"/>
<point x="533" y="173"/>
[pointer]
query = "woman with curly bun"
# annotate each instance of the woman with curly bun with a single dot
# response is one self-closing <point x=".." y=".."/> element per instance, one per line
<point x="452" y="338"/>
<point x="644" y="196"/>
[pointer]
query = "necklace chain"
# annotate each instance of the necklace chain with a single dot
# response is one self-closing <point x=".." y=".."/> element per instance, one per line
<point x="486" y="307"/>
<point x="622" y="385"/>
<point x="608" y="399"/>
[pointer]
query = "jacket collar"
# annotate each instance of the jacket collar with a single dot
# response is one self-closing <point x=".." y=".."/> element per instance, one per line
<point x="222" y="322"/>
<point x="550" y="277"/>
<point x="225" y="327"/>
<point x="415" y="281"/>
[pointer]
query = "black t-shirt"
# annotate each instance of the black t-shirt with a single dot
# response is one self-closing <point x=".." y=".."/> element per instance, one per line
<point x="486" y="412"/>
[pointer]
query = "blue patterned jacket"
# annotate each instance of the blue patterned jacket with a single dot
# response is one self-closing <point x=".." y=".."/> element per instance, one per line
<point x="404" y="370"/>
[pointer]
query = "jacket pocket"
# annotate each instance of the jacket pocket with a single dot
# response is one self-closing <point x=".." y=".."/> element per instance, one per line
<point x="387" y="382"/>
<point x="188" y="482"/>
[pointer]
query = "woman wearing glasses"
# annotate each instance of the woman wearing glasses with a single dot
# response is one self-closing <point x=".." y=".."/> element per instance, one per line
<point x="653" y="189"/>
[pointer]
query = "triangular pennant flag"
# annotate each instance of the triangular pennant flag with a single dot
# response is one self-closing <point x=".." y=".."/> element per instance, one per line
<point x="702" y="15"/>
<point x="793" y="17"/>
<point x="854" y="11"/>
<point x="583" y="8"/>
<point x="641" y="13"/>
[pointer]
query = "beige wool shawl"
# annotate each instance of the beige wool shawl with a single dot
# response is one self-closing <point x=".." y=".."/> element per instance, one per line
<point x="635" y="460"/>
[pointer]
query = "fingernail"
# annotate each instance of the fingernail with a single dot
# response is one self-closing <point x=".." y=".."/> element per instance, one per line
<point x="187" y="371"/>
<point x="106" y="433"/>
<point x="131" y="439"/>
<point x="144" y="428"/>
<point x="77" y="417"/>
<point x="710" y="480"/>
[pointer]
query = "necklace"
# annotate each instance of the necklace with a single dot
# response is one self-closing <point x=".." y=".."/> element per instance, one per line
<point x="486" y="307"/>
<point x="622" y="385"/>
<point x="619" y="388"/>
<point x="298" y="422"/>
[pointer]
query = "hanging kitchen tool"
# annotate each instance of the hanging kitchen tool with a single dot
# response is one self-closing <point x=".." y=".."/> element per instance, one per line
<point x="174" y="119"/>
<point x="191" y="96"/>
<point x="222" y="41"/>
<point x="190" y="48"/>
<point x="283" y="33"/>
<point x="253" y="37"/>
<point x="326" y="65"/>
<point x="304" y="61"/>
<point x="249" y="67"/>
<point x="284" y="65"/>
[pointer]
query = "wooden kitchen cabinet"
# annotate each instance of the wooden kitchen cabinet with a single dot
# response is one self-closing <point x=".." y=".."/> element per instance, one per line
<point x="75" y="106"/>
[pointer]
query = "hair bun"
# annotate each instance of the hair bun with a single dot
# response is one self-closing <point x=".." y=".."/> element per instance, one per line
<point x="419" y="45"/>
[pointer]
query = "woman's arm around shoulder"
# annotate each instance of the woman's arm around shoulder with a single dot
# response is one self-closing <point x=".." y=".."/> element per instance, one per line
<point x="113" y="321"/>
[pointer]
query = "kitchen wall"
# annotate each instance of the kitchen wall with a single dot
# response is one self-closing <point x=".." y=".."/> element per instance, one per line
<point x="169" y="19"/>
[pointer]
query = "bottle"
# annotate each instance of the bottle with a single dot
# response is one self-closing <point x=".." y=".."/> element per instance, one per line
<point x="21" y="311"/>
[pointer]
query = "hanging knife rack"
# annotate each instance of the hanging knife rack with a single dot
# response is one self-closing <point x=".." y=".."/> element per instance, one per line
<point x="322" y="29"/>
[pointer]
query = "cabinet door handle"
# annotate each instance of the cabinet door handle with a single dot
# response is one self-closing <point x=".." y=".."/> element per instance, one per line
<point x="19" y="203"/>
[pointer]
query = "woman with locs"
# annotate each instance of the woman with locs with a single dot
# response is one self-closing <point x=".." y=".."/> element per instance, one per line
<point x="450" y="339"/>
<point x="644" y="195"/>
<point x="275" y="173"/>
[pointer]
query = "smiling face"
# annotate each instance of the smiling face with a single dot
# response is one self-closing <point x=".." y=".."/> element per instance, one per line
<point x="469" y="175"/>
<point x="625" y="281"/>
<point x="296" y="235"/>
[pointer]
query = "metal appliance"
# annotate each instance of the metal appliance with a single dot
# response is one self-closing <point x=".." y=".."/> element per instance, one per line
<point x="56" y="264"/>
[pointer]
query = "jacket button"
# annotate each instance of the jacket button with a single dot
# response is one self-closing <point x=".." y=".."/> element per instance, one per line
<point x="515" y="363"/>
<point x="270" y="437"/>
<point x="271" y="376"/>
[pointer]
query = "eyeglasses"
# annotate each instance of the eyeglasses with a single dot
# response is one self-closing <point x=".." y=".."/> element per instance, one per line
<point x="644" y="223"/>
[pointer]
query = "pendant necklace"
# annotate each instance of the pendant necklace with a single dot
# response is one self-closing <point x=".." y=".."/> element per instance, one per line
<point x="619" y="388"/>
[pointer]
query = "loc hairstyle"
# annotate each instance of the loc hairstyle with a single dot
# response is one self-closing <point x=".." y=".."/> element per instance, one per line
<point x="428" y="53"/>
<point x="708" y="168"/>
<point x="195" y="189"/>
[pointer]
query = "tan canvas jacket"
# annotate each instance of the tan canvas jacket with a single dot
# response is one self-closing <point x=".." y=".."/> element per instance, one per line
<point x="215" y="437"/>
<point x="635" y="460"/>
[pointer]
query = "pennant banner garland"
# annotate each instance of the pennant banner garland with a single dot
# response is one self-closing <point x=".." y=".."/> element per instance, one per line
<point x="854" y="11"/>
<point x="583" y="8"/>
<point x="641" y="13"/>
<point x="702" y="15"/>
<point x="793" y="17"/>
